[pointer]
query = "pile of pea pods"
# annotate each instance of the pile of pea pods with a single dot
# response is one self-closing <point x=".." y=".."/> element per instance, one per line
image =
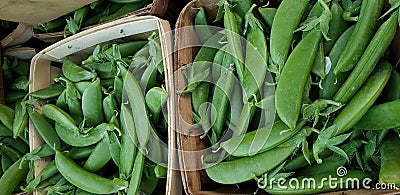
<point x="302" y="89"/>
<point x="103" y="122"/>
<point x="95" y="13"/>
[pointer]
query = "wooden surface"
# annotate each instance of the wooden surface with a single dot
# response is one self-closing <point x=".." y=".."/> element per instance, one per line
<point x="37" y="11"/>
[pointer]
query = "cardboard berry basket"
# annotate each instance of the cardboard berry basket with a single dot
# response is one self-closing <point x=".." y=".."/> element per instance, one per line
<point x="188" y="139"/>
<point x="156" y="8"/>
<point x="21" y="34"/>
<point x="81" y="45"/>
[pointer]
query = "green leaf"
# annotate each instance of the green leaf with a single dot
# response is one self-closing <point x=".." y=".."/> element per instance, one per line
<point x="339" y="151"/>
<point x="338" y="139"/>
<point x="306" y="151"/>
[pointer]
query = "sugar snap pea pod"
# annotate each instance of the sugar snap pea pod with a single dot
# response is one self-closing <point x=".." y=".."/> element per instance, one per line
<point x="246" y="115"/>
<point x="137" y="103"/>
<point x="241" y="7"/>
<point x="363" y="99"/>
<point x="200" y="96"/>
<point x="287" y="18"/>
<point x="389" y="172"/>
<point x="136" y="178"/>
<point x="99" y="157"/>
<point x="83" y="179"/>
<point x="268" y="14"/>
<point x="72" y="97"/>
<point x="290" y="87"/>
<point x="202" y="29"/>
<point x="48" y="92"/>
<point x="92" y="105"/>
<point x="18" y="144"/>
<point x="109" y="106"/>
<point x="240" y="146"/>
<point x="59" y="116"/>
<point x="126" y="9"/>
<point x="318" y="67"/>
<point x="330" y="165"/>
<point x="74" y="138"/>
<point x="128" y="149"/>
<point x="362" y="34"/>
<point x="237" y="171"/>
<point x="256" y="56"/>
<point x="236" y="105"/>
<point x="6" y="116"/>
<point x="45" y="129"/>
<point x="217" y="62"/>
<point x="74" y="72"/>
<point x="221" y="94"/>
<point x="337" y="26"/>
<point x="149" y="77"/>
<point x="155" y="98"/>
<point x="80" y="152"/>
<point x="332" y="82"/>
<point x="114" y="146"/>
<point x="149" y="180"/>
<point x="82" y="86"/>
<point x="20" y="118"/>
<point x="13" y="96"/>
<point x="6" y="162"/>
<point x="321" y="184"/>
<point x="375" y="50"/>
<point x="11" y="178"/>
<point x="61" y="101"/>
<point x="47" y="172"/>
<point x="232" y="33"/>
<point x="4" y="131"/>
<point x="118" y="87"/>
<point x="381" y="116"/>
<point x="104" y="70"/>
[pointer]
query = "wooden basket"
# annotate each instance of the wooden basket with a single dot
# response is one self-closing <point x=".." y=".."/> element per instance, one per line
<point x="21" y="34"/>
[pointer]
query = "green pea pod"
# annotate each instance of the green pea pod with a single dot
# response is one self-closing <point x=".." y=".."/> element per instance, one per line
<point x="240" y="146"/>
<point x="114" y="147"/>
<point x="83" y="179"/>
<point x="337" y="26"/>
<point x="202" y="29"/>
<point x="74" y="72"/>
<point x="389" y="172"/>
<point x="11" y="178"/>
<point x="105" y="70"/>
<point x="118" y="88"/>
<point x="290" y="87"/>
<point x="332" y="82"/>
<point x="200" y="95"/>
<point x="149" y="77"/>
<point x="99" y="157"/>
<point x="381" y="116"/>
<point x="14" y="96"/>
<point x="6" y="162"/>
<point x="236" y="106"/>
<point x="238" y="171"/>
<point x="288" y="16"/>
<point x="256" y="56"/>
<point x="4" y="131"/>
<point x="73" y="97"/>
<point x="138" y="107"/>
<point x="155" y="99"/>
<point x="45" y="129"/>
<point x="20" y="83"/>
<point x="20" y="67"/>
<point x="48" y="92"/>
<point x="20" y="118"/>
<point x="20" y="145"/>
<point x="128" y="149"/>
<point x="268" y="14"/>
<point x="126" y="9"/>
<point x="109" y="107"/>
<point x="241" y="7"/>
<point x="232" y="33"/>
<point x="149" y="180"/>
<point x="318" y="67"/>
<point x="61" y="101"/>
<point x="74" y="138"/>
<point x="136" y="178"/>
<point x="6" y="116"/>
<point x="80" y="152"/>
<point x="82" y="86"/>
<point x="363" y="99"/>
<point x="321" y="184"/>
<point x="59" y="116"/>
<point x="217" y="62"/>
<point x="160" y="171"/>
<point x="245" y="117"/>
<point x="391" y="92"/>
<point x="375" y="50"/>
<point x="361" y="37"/>
<point x="330" y="165"/>
<point x="92" y="107"/>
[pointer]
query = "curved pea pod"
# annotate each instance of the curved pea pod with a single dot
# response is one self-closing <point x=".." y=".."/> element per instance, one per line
<point x="363" y="99"/>
<point x="48" y="92"/>
<point x="202" y="29"/>
<point x="155" y="98"/>
<point x="381" y="116"/>
<point x="73" y="97"/>
<point x="137" y="172"/>
<point x="268" y="14"/>
<point x="362" y="34"/>
<point x="337" y="26"/>
<point x="99" y="157"/>
<point x="59" y="116"/>
<point x="82" y="86"/>
<point x="287" y="17"/>
<point x="390" y="172"/>
<point x="92" y="107"/>
<point x="45" y="129"/>
<point x="11" y="178"/>
<point x="6" y="116"/>
<point x="83" y="179"/>
<point x="118" y="88"/>
<point x="137" y="103"/>
<point x="74" y="138"/>
<point x="331" y="83"/>
<point x="104" y="70"/>
<point x="319" y="185"/>
<point x="128" y="148"/>
<point x="80" y="152"/>
<point x="256" y="56"/>
<point x="61" y="101"/>
<point x="240" y="146"/>
<point x="109" y="106"/>
<point x="6" y="162"/>
<point x="391" y="92"/>
<point x="20" y="118"/>
<point x="293" y="79"/>
<point x="237" y="171"/>
<point x="75" y="73"/>
<point x="375" y="50"/>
